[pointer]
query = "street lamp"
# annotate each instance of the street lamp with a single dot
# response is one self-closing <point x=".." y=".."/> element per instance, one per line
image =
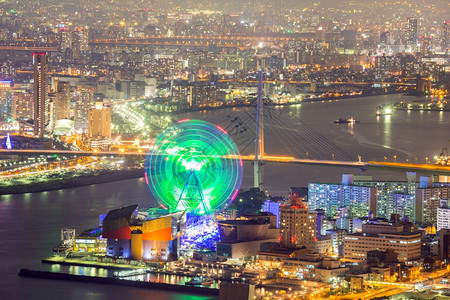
<point x="395" y="158"/>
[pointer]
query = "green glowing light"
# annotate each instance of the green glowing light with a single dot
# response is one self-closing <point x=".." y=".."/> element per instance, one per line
<point x="194" y="166"/>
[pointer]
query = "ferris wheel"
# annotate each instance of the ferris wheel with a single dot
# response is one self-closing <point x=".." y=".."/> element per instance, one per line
<point x="194" y="166"/>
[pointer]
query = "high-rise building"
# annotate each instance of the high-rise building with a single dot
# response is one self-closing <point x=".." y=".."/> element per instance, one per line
<point x="359" y="200"/>
<point x="5" y="99"/>
<point x="385" y="202"/>
<point x="425" y="42"/>
<point x="22" y="106"/>
<point x="64" y="39"/>
<point x="445" y="34"/>
<point x="84" y="101"/>
<point x="298" y="227"/>
<point x="99" y="121"/>
<point x="427" y="202"/>
<point x="411" y="31"/>
<point x="443" y="215"/>
<point x="386" y="64"/>
<point x="321" y="34"/>
<point x="40" y="62"/>
<point x="403" y="205"/>
<point x="79" y="42"/>
<point x="62" y="100"/>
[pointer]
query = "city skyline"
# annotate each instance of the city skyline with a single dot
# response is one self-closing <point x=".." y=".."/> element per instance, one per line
<point x="224" y="150"/>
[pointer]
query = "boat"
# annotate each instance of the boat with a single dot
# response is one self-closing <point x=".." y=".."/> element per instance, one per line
<point x="207" y="282"/>
<point x="346" y="121"/>
<point x="194" y="281"/>
<point x="383" y="110"/>
<point x="129" y="273"/>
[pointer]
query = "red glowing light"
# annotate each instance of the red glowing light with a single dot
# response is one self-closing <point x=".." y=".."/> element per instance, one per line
<point x="221" y="129"/>
<point x="183" y="120"/>
<point x="234" y="195"/>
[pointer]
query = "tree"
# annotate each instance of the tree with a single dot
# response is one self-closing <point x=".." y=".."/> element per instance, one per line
<point x="248" y="202"/>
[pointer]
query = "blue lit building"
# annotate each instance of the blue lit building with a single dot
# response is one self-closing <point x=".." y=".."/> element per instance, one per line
<point x="359" y="200"/>
<point x="274" y="208"/>
<point x="386" y="202"/>
<point x="404" y="205"/>
<point x="357" y="194"/>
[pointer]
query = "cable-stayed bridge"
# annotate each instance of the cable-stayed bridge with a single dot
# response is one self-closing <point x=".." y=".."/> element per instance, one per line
<point x="248" y="126"/>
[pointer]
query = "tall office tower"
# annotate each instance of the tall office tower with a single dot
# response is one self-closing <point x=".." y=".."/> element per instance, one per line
<point x="411" y="31"/>
<point x="40" y="62"/>
<point x="62" y="101"/>
<point x="443" y="215"/>
<point x="445" y="34"/>
<point x="79" y="42"/>
<point x="64" y="39"/>
<point x="425" y="42"/>
<point x="298" y="227"/>
<point x="84" y="101"/>
<point x="99" y="121"/>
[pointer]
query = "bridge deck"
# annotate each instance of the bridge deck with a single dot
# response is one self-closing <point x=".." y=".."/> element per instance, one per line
<point x="264" y="159"/>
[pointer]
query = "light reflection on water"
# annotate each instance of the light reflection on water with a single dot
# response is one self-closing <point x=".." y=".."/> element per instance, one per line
<point x="164" y="278"/>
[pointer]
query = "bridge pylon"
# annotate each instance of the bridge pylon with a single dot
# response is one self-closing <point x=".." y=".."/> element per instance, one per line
<point x="259" y="141"/>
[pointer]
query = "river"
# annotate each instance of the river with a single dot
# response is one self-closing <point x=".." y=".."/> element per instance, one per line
<point x="30" y="223"/>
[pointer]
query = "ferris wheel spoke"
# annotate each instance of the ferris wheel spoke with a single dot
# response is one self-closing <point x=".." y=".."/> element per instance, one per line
<point x="194" y="166"/>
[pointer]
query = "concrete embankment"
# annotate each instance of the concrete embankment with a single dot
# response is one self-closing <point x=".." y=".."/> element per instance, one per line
<point x="117" y="281"/>
<point x="71" y="182"/>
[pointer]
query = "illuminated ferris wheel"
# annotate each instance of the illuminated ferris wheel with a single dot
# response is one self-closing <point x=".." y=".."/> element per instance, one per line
<point x="194" y="166"/>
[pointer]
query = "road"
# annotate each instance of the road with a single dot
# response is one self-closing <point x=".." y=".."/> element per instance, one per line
<point x="264" y="159"/>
